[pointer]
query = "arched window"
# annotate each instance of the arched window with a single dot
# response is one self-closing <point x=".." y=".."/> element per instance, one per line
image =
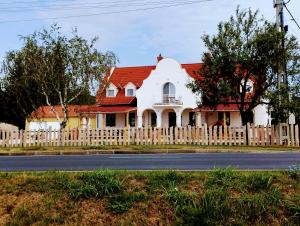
<point x="169" y="90"/>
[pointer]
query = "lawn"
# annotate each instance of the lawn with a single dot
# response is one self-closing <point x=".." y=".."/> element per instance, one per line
<point x="141" y="149"/>
<point x="220" y="197"/>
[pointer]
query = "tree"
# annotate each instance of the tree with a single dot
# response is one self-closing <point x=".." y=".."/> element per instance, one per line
<point x="63" y="70"/>
<point x="245" y="50"/>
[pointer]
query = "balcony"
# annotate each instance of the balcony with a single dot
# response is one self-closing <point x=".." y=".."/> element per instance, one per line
<point x="169" y="101"/>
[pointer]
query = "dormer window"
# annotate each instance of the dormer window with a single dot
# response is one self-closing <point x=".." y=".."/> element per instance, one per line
<point x="130" y="89"/>
<point x="130" y="92"/>
<point x="110" y="93"/>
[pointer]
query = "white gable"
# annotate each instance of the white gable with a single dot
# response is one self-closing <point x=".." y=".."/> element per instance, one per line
<point x="111" y="87"/>
<point x="151" y="92"/>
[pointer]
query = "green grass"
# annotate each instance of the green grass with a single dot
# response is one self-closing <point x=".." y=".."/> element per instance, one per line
<point x="141" y="148"/>
<point x="220" y="197"/>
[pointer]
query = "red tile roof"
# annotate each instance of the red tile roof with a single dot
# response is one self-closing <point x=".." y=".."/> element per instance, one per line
<point x="120" y="77"/>
<point x="46" y="112"/>
<point x="108" y="109"/>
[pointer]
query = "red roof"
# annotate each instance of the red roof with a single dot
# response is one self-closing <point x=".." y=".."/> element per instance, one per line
<point x="108" y="109"/>
<point x="46" y="112"/>
<point x="120" y="77"/>
<point x="219" y="107"/>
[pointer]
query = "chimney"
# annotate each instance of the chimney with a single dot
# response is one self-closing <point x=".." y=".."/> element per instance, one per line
<point x="159" y="58"/>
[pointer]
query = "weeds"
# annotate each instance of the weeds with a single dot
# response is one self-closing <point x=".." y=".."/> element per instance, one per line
<point x="221" y="177"/>
<point x="165" y="179"/>
<point x="257" y="182"/>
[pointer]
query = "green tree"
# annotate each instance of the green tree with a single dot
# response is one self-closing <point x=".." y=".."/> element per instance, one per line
<point x="246" y="50"/>
<point x="55" y="70"/>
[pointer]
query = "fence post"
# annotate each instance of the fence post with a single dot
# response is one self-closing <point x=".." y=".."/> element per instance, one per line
<point x="273" y="135"/>
<point x="292" y="137"/>
<point x="297" y="135"/>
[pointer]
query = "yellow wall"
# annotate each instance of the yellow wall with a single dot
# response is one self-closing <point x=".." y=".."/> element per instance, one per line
<point x="73" y="122"/>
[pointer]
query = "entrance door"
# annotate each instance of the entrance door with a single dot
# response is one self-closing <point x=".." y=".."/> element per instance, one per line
<point x="172" y="119"/>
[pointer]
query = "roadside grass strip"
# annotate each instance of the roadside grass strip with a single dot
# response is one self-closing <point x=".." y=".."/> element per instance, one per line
<point x="106" y="197"/>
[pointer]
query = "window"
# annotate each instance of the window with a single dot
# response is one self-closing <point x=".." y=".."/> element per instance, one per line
<point x="110" y="120"/>
<point x="110" y="93"/>
<point x="153" y="119"/>
<point x="221" y="117"/>
<point x="169" y="90"/>
<point x="130" y="92"/>
<point x="192" y="118"/>
<point x="132" y="119"/>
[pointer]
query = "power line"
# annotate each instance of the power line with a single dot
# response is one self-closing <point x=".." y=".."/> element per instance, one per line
<point x="293" y="18"/>
<point x="108" y="13"/>
<point x="92" y="5"/>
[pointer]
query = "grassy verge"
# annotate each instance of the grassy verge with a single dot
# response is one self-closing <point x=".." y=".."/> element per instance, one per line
<point x="141" y="148"/>
<point x="220" y="197"/>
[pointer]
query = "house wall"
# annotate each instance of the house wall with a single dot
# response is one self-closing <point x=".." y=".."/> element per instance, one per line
<point x="151" y="91"/>
<point x="185" y="117"/>
<point x="235" y="119"/>
<point x="45" y="123"/>
<point x="261" y="116"/>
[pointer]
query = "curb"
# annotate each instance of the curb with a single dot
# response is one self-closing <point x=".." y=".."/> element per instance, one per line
<point x="159" y="151"/>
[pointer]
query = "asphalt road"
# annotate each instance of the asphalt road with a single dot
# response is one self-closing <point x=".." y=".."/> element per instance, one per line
<point x="199" y="161"/>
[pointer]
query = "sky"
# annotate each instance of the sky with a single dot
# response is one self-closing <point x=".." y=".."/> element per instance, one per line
<point x="135" y="30"/>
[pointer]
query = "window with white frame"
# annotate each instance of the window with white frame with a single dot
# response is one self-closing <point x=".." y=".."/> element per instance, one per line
<point x="129" y="92"/>
<point x="110" y="92"/>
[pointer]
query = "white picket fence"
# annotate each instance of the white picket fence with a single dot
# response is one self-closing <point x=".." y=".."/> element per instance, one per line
<point x="282" y="134"/>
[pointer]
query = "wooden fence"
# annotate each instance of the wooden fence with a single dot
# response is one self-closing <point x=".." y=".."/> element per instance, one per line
<point x="282" y="134"/>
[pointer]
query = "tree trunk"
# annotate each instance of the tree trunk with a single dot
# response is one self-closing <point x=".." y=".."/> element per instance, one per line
<point x="245" y="116"/>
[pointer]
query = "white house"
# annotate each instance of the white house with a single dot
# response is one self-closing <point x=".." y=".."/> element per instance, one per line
<point x="155" y="96"/>
<point x="158" y="96"/>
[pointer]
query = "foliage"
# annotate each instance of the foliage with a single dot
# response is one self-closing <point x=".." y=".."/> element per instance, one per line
<point x="294" y="171"/>
<point x="246" y="50"/>
<point x="53" y="69"/>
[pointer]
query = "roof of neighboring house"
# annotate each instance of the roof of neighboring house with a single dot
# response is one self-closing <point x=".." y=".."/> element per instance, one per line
<point x="108" y="109"/>
<point x="46" y="112"/>
<point x="121" y="76"/>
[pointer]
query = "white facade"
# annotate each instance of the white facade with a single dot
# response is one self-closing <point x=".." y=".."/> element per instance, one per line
<point x="150" y="95"/>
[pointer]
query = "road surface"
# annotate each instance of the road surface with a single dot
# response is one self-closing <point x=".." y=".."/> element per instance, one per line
<point x="199" y="161"/>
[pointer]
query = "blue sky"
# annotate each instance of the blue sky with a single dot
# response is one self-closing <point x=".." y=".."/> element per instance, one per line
<point x="136" y="37"/>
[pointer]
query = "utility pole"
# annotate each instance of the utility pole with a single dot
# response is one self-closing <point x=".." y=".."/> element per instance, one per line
<point x="279" y="5"/>
<point x="282" y="74"/>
